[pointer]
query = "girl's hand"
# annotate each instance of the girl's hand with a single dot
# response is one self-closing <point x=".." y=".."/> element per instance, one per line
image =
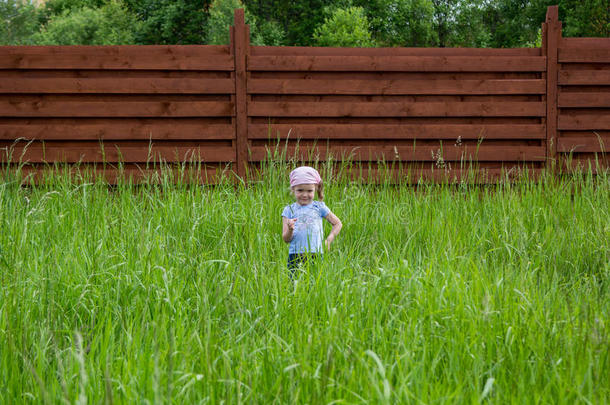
<point x="291" y="223"/>
<point x="328" y="242"/>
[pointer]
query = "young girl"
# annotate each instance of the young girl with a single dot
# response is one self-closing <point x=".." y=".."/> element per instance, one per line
<point x="302" y="221"/>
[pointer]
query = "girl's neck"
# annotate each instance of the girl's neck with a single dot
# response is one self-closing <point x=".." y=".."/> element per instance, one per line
<point x="304" y="205"/>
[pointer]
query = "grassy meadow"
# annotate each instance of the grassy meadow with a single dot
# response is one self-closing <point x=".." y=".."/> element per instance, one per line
<point x="173" y="293"/>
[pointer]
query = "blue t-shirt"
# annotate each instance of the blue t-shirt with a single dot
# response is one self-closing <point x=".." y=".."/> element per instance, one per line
<point x="308" y="230"/>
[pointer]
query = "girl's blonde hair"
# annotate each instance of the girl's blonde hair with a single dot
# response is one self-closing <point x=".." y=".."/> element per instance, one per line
<point x="320" y="190"/>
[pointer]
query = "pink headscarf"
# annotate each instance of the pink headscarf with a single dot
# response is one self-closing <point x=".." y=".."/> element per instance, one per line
<point x="304" y="175"/>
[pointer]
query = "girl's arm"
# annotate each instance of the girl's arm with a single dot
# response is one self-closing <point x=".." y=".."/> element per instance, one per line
<point x="287" y="229"/>
<point x="337" y="225"/>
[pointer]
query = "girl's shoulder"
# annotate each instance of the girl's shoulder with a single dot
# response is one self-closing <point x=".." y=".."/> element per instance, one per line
<point x="289" y="210"/>
<point x="321" y="207"/>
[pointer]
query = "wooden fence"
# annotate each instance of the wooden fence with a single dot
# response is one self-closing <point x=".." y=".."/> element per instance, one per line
<point x="425" y="111"/>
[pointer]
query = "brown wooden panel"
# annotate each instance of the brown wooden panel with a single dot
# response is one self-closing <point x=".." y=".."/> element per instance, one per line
<point x="584" y="144"/>
<point x="399" y="63"/>
<point x="124" y="129"/>
<point x="331" y="51"/>
<point x="394" y="131"/>
<point x="392" y="109"/>
<point x="51" y="108"/>
<point x="119" y="85"/>
<point x="584" y="77"/>
<point x="429" y="172"/>
<point x="394" y="76"/>
<point x="176" y="57"/>
<point x="398" y="87"/>
<point x="410" y="153"/>
<point x="92" y="152"/>
<point x="584" y="99"/>
<point x="139" y="173"/>
<point x="584" y="121"/>
<point x="583" y="55"/>
<point x="585" y="162"/>
<point x="591" y="42"/>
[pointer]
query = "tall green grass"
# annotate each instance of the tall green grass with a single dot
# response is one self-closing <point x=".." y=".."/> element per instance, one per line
<point x="171" y="292"/>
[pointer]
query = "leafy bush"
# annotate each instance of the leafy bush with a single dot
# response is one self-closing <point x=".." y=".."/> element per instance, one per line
<point x="345" y="27"/>
<point x="18" y="22"/>
<point x="171" y="21"/>
<point x="110" y="24"/>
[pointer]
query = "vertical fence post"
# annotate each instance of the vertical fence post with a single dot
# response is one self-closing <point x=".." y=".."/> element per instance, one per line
<point x="241" y="47"/>
<point x="551" y="38"/>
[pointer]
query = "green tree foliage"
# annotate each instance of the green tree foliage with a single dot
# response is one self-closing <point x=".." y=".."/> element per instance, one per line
<point x="297" y="19"/>
<point x="18" y="22"/>
<point x="513" y="23"/>
<point x="586" y="18"/>
<point x="110" y="24"/>
<point x="170" y="21"/>
<point x="401" y="22"/>
<point x="57" y="7"/>
<point x="222" y="18"/>
<point x="345" y="27"/>
<point x="468" y="26"/>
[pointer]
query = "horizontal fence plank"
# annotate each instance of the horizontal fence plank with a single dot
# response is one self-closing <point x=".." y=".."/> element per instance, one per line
<point x="584" y="99"/>
<point x="118" y="85"/>
<point x="393" y="109"/>
<point x="584" y="162"/>
<point x="43" y="108"/>
<point x="428" y="172"/>
<point x="149" y="57"/>
<point x="395" y="131"/>
<point x="590" y="42"/>
<point x="399" y="63"/>
<point x="584" y="122"/>
<point x="420" y="153"/>
<point x="584" y="144"/>
<point x="395" y="87"/>
<point x="115" y="130"/>
<point x="584" y="77"/>
<point x="585" y="55"/>
<point x="334" y="51"/>
<point x="204" y="174"/>
<point x="114" y="153"/>
<point x="210" y="174"/>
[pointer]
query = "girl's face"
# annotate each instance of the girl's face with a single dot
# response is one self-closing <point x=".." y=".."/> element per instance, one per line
<point x="304" y="193"/>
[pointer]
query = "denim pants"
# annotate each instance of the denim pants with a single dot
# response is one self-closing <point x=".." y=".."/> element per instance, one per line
<point x="296" y="260"/>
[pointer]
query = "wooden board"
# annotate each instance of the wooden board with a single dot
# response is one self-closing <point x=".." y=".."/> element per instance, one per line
<point x="399" y="63"/>
<point x="410" y="153"/>
<point x="117" y="85"/>
<point x="394" y="131"/>
<point x="393" y="109"/>
<point x="395" y="87"/>
<point x="586" y="54"/>
<point x="584" y="99"/>
<point x="53" y="108"/>
<point x="93" y="152"/>
<point x="584" y="77"/>
<point x="584" y="144"/>
<point x="127" y="173"/>
<point x="155" y="57"/>
<point x="395" y="51"/>
<point x="584" y="122"/>
<point x="123" y="129"/>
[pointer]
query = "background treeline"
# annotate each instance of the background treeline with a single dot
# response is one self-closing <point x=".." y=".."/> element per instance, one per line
<point x="430" y="23"/>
